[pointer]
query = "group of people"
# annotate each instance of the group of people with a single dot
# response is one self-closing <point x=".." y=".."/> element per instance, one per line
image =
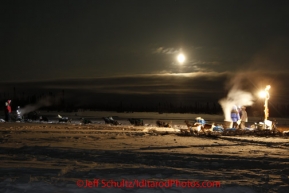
<point x="8" y="110"/>
<point x="239" y="117"/>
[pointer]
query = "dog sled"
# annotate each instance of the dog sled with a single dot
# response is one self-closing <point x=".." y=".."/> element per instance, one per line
<point x="63" y="119"/>
<point x="198" y="126"/>
<point x="136" y="122"/>
<point x="163" y="124"/>
<point x="110" y="120"/>
<point x="85" y="121"/>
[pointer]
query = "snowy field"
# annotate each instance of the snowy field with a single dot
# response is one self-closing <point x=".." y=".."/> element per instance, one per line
<point x="73" y="157"/>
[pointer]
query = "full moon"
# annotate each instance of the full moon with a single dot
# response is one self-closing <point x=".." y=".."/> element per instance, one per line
<point x="181" y="58"/>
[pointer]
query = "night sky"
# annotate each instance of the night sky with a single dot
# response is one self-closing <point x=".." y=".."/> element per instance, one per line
<point x="125" y="50"/>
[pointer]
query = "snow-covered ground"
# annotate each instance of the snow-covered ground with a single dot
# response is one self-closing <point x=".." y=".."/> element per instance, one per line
<point x="66" y="157"/>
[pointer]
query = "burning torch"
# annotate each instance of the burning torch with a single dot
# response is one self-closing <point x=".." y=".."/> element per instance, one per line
<point x="265" y="94"/>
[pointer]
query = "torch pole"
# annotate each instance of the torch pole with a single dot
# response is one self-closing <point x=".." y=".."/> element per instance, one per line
<point x="266" y="111"/>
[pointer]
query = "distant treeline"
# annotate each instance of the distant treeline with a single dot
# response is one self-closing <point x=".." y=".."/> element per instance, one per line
<point x="60" y="103"/>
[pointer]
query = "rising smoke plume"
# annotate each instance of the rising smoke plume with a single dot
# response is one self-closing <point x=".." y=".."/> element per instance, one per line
<point x="43" y="102"/>
<point x="236" y="97"/>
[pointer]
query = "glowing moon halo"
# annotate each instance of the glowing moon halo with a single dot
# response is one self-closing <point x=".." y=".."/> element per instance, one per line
<point x="181" y="58"/>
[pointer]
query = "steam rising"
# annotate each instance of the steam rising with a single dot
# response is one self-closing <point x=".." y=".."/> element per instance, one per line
<point x="44" y="102"/>
<point x="236" y="96"/>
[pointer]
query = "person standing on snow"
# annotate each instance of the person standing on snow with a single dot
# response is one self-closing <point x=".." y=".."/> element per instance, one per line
<point x="235" y="117"/>
<point x="19" y="118"/>
<point x="244" y="117"/>
<point x="7" y="111"/>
